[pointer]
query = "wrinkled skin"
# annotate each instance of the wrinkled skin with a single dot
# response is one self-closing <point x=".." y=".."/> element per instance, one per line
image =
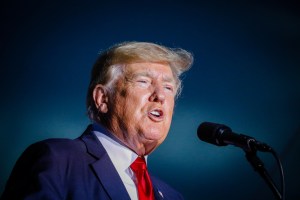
<point x="140" y="112"/>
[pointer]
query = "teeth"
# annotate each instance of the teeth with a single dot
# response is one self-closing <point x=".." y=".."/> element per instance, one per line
<point x="156" y="113"/>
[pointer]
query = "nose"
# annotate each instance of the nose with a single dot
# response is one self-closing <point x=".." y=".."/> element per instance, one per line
<point x="158" y="95"/>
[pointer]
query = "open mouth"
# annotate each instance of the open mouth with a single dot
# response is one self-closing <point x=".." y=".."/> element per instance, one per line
<point x="156" y="115"/>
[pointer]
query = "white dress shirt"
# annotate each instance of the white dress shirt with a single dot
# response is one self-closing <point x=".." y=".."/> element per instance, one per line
<point x="121" y="156"/>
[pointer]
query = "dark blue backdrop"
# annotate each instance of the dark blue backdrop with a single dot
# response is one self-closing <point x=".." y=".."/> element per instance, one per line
<point x="246" y="75"/>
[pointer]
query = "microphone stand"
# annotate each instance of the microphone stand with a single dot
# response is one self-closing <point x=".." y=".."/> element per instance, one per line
<point x="258" y="166"/>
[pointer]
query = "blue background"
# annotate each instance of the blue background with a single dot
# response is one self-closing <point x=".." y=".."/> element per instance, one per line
<point x="246" y="75"/>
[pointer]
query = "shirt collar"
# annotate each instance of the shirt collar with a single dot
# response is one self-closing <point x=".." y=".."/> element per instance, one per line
<point x="121" y="156"/>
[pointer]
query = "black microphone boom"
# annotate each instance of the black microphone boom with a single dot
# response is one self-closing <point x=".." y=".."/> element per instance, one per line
<point x="222" y="135"/>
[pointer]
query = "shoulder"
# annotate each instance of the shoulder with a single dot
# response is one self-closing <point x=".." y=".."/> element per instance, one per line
<point x="53" y="146"/>
<point x="50" y="150"/>
<point x="57" y="150"/>
<point x="61" y="145"/>
<point x="49" y="167"/>
<point x="165" y="190"/>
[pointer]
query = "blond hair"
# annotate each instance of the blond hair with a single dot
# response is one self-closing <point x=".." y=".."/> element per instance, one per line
<point x="108" y="66"/>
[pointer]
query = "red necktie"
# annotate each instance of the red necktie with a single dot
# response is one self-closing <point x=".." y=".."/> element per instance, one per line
<point x="144" y="185"/>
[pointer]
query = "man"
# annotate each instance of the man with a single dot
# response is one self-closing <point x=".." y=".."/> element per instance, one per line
<point x="130" y="101"/>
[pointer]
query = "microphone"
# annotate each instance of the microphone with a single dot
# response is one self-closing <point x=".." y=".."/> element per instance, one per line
<point x="222" y="135"/>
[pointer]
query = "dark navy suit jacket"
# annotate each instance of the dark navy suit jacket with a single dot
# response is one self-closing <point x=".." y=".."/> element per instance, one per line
<point x="77" y="169"/>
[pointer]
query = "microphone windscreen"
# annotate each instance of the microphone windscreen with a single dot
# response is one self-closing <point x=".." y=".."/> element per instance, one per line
<point x="210" y="132"/>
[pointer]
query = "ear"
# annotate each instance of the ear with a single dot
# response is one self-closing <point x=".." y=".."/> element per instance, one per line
<point x="100" y="98"/>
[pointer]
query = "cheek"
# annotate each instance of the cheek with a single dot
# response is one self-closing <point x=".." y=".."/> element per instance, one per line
<point x="137" y="101"/>
<point x="133" y="106"/>
<point x="170" y="106"/>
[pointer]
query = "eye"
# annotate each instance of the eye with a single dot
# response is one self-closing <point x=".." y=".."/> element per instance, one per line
<point x="143" y="82"/>
<point x="169" y="88"/>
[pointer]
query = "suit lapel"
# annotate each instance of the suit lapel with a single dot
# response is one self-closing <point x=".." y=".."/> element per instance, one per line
<point x="103" y="167"/>
<point x="109" y="178"/>
<point x="157" y="192"/>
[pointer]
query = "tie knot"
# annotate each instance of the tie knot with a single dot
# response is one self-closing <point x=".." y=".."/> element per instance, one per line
<point x="139" y="164"/>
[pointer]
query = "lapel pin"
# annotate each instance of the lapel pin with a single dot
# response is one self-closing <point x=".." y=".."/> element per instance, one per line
<point x="160" y="194"/>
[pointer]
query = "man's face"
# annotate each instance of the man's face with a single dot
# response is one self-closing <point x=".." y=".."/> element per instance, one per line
<point x="141" y="110"/>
